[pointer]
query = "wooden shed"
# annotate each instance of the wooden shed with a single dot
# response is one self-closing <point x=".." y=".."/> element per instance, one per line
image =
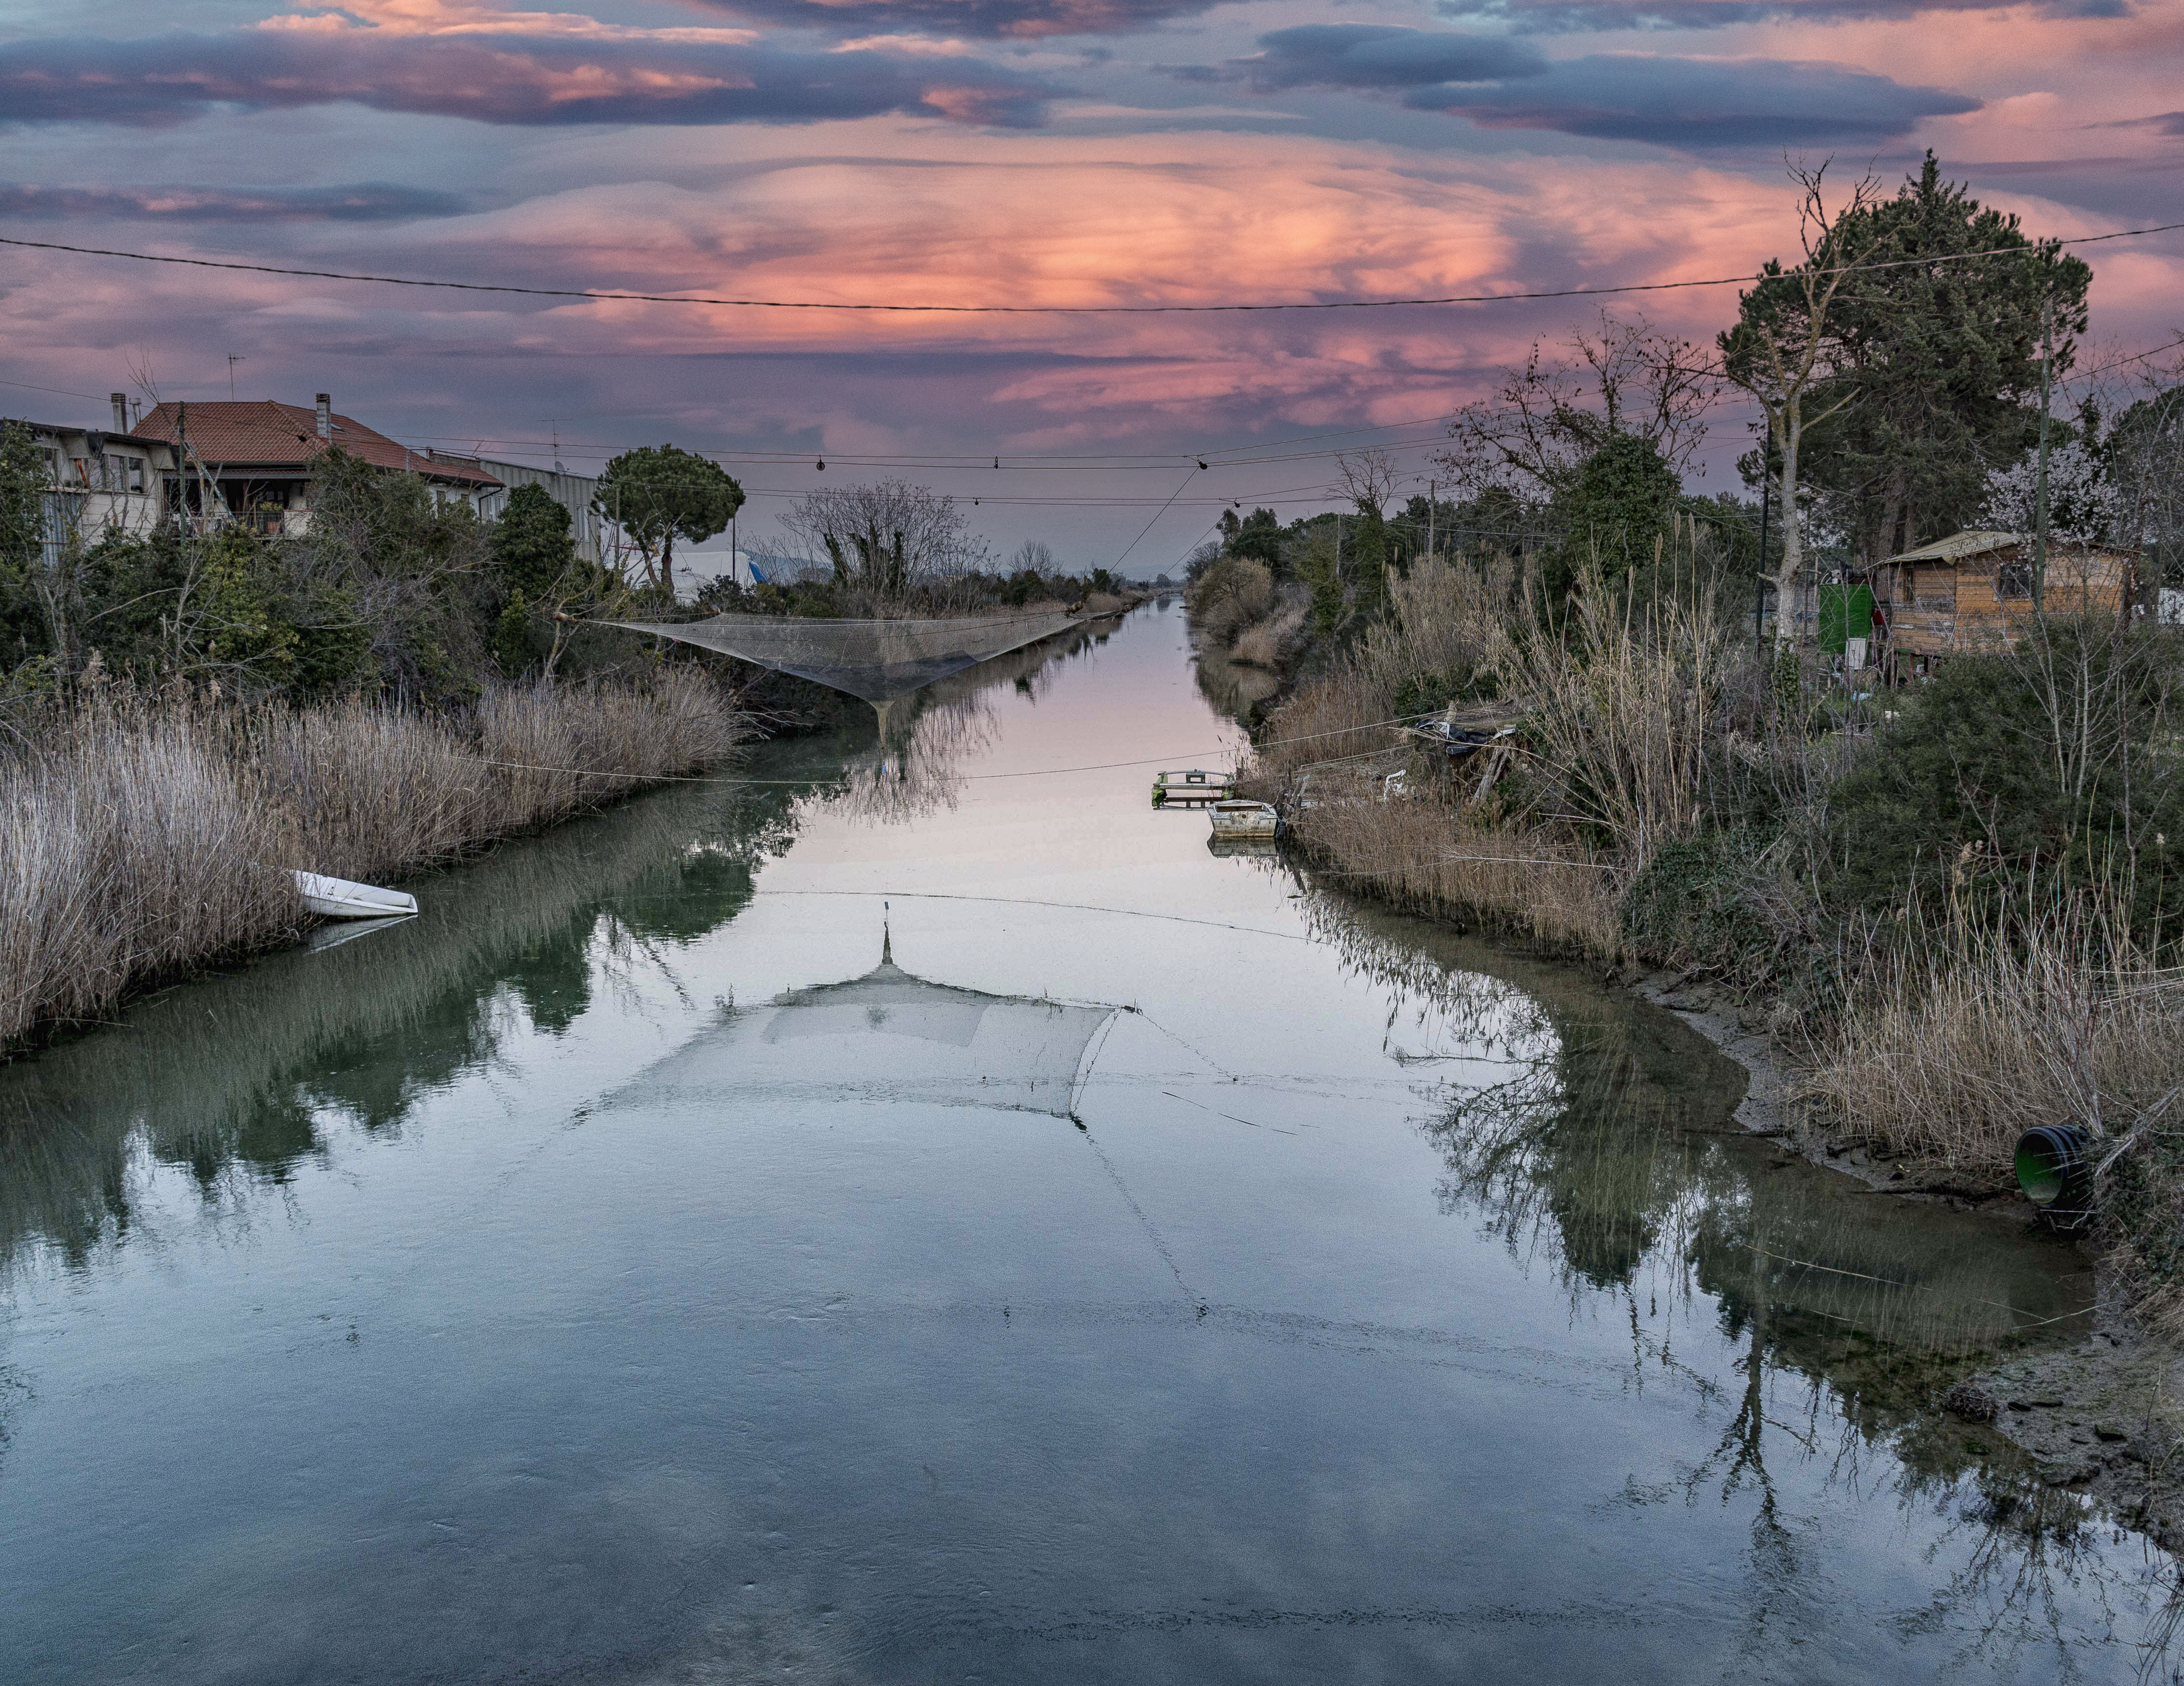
<point x="1973" y="590"/>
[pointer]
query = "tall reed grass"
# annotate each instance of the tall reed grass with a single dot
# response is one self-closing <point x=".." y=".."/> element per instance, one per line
<point x="1622" y="703"/>
<point x="142" y="838"/>
<point x="1970" y="1031"/>
<point x="1422" y="856"/>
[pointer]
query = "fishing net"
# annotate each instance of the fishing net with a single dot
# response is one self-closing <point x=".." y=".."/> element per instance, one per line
<point x="878" y="660"/>
<point x="892" y="1036"/>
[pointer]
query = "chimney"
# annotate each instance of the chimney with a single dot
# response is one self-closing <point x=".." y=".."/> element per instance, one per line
<point x="120" y="411"/>
<point x="325" y="419"/>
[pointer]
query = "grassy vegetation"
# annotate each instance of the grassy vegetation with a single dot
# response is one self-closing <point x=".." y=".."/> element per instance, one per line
<point x="143" y="836"/>
<point x="1952" y="900"/>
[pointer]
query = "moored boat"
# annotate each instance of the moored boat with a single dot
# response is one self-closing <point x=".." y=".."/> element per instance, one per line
<point x="342" y="899"/>
<point x="1240" y="818"/>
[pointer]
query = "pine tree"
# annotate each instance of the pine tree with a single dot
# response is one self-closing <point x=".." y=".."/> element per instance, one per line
<point x="1939" y="359"/>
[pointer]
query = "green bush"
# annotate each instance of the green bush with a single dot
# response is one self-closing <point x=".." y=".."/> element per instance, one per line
<point x="1612" y="512"/>
<point x="1701" y="905"/>
<point x="2052" y="765"/>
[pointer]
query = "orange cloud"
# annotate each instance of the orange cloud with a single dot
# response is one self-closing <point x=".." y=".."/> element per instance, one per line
<point x="462" y="17"/>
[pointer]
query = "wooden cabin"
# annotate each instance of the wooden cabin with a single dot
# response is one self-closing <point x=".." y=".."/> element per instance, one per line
<point x="1973" y="590"/>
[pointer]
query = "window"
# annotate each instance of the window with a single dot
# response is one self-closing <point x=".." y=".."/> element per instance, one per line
<point x="2012" y="580"/>
<point x="126" y="475"/>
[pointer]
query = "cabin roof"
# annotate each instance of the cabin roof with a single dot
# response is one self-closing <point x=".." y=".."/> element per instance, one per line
<point x="1958" y="545"/>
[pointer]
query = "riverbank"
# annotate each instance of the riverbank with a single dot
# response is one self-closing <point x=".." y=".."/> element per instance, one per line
<point x="1664" y="818"/>
<point x="145" y="838"/>
<point x="2102" y="1417"/>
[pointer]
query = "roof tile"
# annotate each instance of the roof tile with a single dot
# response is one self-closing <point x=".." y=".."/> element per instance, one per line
<point x="265" y="434"/>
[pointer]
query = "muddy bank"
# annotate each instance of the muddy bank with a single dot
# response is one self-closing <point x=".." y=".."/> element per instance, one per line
<point x="2102" y="1416"/>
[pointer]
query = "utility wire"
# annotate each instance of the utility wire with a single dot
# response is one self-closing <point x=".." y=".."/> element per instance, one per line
<point x="1147" y="459"/>
<point x="62" y="391"/>
<point x="818" y="781"/>
<point x="2119" y="362"/>
<point x="1157" y="514"/>
<point x="1053" y="309"/>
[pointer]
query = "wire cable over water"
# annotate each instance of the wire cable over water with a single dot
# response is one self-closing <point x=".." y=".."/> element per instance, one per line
<point x="612" y="296"/>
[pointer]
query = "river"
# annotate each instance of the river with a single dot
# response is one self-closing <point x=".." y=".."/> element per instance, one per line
<point x="924" y="1216"/>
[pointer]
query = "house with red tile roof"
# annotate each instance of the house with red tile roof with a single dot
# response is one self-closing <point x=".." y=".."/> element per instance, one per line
<point x="254" y="461"/>
<point x="99" y="481"/>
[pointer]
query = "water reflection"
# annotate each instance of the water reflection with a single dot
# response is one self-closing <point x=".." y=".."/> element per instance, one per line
<point x="241" y="1074"/>
<point x="1405" y="1312"/>
<point x="889" y="1038"/>
<point x="1603" y="1155"/>
<point x="912" y="766"/>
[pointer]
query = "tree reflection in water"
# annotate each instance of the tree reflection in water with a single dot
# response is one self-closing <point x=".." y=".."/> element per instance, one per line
<point x="913" y="767"/>
<point x="238" y="1079"/>
<point x="1605" y="1151"/>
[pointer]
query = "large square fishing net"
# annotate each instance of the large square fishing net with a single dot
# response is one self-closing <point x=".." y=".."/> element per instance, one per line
<point x="878" y="660"/>
<point x="891" y="1037"/>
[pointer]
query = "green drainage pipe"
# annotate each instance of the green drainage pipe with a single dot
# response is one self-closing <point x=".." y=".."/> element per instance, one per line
<point x="2052" y="1172"/>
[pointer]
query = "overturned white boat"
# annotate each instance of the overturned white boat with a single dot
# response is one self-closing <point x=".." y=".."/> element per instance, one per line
<point x="341" y="899"/>
<point x="1238" y="818"/>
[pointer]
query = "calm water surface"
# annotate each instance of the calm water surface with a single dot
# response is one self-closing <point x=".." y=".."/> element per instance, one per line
<point x="623" y="1273"/>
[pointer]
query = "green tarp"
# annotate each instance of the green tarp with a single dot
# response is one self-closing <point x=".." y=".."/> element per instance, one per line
<point x="1845" y="613"/>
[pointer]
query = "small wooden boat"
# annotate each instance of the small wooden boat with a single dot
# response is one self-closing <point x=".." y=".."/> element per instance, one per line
<point x="1240" y="818"/>
<point x="340" y="898"/>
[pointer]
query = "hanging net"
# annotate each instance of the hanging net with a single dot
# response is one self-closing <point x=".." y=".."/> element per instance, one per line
<point x="890" y="1037"/>
<point x="878" y="660"/>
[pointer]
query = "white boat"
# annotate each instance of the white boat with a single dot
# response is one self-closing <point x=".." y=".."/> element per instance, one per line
<point x="1239" y="818"/>
<point x="340" y="898"/>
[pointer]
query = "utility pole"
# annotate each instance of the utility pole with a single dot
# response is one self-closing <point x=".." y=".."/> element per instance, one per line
<point x="1433" y="505"/>
<point x="2040" y="490"/>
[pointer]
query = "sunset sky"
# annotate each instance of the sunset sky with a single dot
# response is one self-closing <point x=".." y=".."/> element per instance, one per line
<point x="1041" y="151"/>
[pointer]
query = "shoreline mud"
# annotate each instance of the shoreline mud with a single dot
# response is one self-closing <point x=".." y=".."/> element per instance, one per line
<point x="2102" y="1416"/>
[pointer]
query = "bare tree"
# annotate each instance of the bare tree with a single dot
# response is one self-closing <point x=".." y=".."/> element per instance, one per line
<point x="2144" y="452"/>
<point x="1536" y="432"/>
<point x="1783" y="346"/>
<point x="1368" y="478"/>
<point x="888" y="540"/>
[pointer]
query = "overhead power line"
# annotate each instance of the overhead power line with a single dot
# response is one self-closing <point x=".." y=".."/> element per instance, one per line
<point x="610" y="296"/>
<point x="66" y="392"/>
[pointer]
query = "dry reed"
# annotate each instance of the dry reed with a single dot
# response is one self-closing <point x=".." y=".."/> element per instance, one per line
<point x="1622" y="703"/>
<point x="1269" y="644"/>
<point x="1972" y="1034"/>
<point x="1442" y="619"/>
<point x="1230" y="595"/>
<point x="1422" y="854"/>
<point x="139" y="839"/>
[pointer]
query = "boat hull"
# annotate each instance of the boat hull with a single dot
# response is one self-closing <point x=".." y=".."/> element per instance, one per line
<point x="343" y="899"/>
<point x="1240" y="820"/>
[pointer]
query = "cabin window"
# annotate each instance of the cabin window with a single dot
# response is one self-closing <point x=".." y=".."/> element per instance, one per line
<point x="2013" y="580"/>
<point x="1910" y="576"/>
